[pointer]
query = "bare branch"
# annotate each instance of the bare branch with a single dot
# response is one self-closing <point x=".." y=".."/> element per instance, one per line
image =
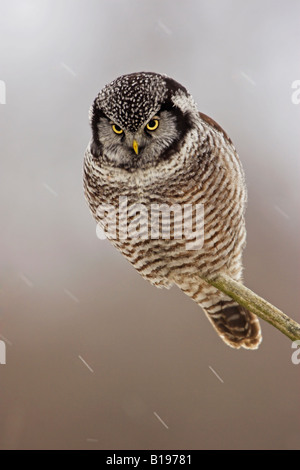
<point x="256" y="304"/>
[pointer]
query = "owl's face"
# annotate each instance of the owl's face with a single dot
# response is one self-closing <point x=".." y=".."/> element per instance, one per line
<point x="139" y="120"/>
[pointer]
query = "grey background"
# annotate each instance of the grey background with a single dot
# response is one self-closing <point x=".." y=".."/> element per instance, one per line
<point x="64" y="293"/>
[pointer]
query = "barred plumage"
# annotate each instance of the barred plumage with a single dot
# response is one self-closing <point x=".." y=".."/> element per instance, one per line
<point x="187" y="160"/>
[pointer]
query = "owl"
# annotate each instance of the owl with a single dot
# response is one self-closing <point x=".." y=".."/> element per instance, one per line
<point x="153" y="153"/>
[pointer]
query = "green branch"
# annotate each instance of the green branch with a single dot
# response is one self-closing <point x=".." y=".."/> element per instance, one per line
<point x="263" y="309"/>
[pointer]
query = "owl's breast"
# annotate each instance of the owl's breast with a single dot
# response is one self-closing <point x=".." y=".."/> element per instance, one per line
<point x="184" y="217"/>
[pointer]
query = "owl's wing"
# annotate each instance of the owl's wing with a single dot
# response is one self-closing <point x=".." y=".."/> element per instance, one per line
<point x="214" y="125"/>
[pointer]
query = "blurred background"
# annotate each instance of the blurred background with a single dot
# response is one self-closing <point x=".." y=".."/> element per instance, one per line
<point x="97" y="358"/>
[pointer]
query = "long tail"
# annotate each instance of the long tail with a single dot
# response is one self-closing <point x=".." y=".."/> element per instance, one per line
<point x="237" y="326"/>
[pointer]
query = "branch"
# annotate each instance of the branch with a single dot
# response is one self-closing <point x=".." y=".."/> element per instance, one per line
<point x="263" y="309"/>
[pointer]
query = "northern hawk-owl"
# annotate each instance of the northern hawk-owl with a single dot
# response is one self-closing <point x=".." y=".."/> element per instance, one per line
<point x="151" y="148"/>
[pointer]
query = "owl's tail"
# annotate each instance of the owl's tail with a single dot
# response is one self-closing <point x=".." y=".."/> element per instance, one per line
<point x="237" y="326"/>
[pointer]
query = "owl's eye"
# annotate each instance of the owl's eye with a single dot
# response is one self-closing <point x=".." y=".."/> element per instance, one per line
<point x="152" y="125"/>
<point x="117" y="129"/>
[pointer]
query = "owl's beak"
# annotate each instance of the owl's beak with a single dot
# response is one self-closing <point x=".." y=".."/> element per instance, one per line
<point x="135" y="146"/>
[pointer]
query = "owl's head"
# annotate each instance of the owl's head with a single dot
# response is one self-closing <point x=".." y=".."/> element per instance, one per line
<point x="140" y="119"/>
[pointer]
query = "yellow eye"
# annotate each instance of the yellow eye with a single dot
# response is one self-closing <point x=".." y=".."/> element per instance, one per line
<point x="152" y="125"/>
<point x="117" y="129"/>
